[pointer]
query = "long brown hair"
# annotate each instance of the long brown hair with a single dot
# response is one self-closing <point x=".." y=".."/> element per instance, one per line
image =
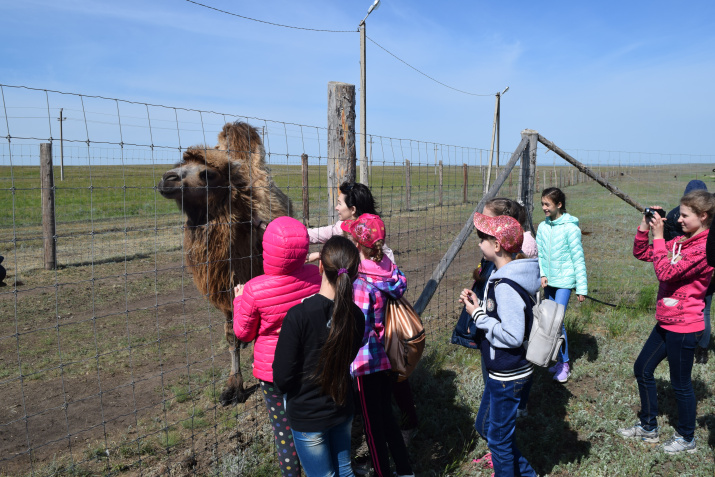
<point x="340" y="259"/>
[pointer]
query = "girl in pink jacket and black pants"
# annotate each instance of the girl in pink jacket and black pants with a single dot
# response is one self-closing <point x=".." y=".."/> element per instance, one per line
<point x="258" y="311"/>
<point x="684" y="276"/>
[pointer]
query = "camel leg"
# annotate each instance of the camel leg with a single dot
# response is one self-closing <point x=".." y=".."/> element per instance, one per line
<point x="233" y="392"/>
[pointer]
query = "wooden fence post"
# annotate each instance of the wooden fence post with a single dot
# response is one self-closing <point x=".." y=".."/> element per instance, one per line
<point x="527" y="178"/>
<point x="464" y="183"/>
<point x="441" y="172"/>
<point x="341" y="141"/>
<point x="306" y="198"/>
<point x="48" y="206"/>
<point x="408" y="185"/>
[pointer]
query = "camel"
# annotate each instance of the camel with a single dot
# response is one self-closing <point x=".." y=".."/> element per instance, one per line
<point x="228" y="196"/>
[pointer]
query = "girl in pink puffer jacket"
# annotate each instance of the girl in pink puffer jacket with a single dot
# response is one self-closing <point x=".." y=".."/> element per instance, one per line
<point x="258" y="311"/>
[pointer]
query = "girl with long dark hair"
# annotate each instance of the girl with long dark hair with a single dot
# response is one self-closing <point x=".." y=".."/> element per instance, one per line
<point x="320" y="338"/>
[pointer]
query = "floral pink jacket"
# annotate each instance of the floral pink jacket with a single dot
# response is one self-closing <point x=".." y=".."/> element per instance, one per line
<point x="683" y="280"/>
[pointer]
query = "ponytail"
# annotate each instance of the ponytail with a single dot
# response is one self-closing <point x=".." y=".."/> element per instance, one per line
<point x="340" y="261"/>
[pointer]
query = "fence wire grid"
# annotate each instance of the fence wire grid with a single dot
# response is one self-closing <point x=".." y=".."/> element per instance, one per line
<point x="113" y="361"/>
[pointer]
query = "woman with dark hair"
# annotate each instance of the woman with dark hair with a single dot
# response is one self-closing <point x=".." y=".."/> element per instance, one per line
<point x="354" y="200"/>
<point x="320" y="338"/>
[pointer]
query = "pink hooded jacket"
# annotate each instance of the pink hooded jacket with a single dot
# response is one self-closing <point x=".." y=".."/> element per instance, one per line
<point x="683" y="280"/>
<point x="258" y="313"/>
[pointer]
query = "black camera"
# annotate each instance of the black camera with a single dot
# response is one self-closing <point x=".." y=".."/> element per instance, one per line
<point x="650" y="213"/>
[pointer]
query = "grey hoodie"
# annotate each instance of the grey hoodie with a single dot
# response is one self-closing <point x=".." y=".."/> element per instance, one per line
<point x="509" y="333"/>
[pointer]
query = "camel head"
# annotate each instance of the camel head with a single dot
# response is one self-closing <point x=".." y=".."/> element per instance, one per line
<point x="231" y="178"/>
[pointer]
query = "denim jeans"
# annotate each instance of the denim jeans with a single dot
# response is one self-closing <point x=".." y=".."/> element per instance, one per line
<point x="496" y="422"/>
<point x="325" y="453"/>
<point x="705" y="340"/>
<point x="560" y="295"/>
<point x="679" y="348"/>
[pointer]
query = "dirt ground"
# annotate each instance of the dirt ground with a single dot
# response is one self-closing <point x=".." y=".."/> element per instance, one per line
<point x="117" y="366"/>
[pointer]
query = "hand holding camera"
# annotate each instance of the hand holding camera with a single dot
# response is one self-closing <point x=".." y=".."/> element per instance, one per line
<point x="653" y="219"/>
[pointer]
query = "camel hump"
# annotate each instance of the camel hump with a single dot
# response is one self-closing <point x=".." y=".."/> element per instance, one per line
<point x="240" y="140"/>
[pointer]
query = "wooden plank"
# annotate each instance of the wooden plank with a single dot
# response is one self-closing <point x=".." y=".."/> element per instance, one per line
<point x="459" y="241"/>
<point x="581" y="167"/>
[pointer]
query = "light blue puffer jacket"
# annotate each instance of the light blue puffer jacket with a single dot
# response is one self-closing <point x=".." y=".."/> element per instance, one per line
<point x="561" y="258"/>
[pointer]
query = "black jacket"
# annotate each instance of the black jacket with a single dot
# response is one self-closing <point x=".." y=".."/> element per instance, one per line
<point x="303" y="334"/>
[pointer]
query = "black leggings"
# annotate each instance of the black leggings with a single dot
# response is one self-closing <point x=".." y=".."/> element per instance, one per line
<point x="381" y="428"/>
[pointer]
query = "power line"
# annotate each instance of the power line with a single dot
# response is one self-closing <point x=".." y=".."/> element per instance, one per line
<point x="342" y="31"/>
<point x="425" y="74"/>
<point x="270" y="23"/>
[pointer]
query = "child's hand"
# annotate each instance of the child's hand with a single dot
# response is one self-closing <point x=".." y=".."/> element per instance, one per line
<point x="238" y="290"/>
<point x="470" y="300"/>
<point x="312" y="257"/>
<point x="657" y="224"/>
<point x="544" y="282"/>
<point x="580" y="298"/>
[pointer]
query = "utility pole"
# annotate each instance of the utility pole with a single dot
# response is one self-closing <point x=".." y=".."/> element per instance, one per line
<point x="363" y="98"/>
<point x="495" y="136"/>
<point x="62" y="119"/>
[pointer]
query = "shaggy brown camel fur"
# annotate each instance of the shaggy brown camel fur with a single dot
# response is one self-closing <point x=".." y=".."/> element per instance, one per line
<point x="227" y="194"/>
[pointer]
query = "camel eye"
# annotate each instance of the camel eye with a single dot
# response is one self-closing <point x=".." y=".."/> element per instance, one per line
<point x="208" y="176"/>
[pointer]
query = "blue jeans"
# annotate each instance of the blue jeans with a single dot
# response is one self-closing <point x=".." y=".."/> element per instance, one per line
<point x="325" y="453"/>
<point x="705" y="340"/>
<point x="679" y="348"/>
<point x="560" y="295"/>
<point x="496" y="422"/>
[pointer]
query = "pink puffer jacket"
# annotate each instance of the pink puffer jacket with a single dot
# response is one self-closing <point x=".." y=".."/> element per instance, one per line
<point x="258" y="313"/>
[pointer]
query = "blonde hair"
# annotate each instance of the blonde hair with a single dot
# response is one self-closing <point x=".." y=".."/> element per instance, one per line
<point x="701" y="202"/>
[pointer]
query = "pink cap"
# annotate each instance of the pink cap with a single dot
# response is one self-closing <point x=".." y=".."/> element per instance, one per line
<point x="504" y="228"/>
<point x="366" y="229"/>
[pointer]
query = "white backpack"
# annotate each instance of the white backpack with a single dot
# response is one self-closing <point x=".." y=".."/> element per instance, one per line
<point x="546" y="337"/>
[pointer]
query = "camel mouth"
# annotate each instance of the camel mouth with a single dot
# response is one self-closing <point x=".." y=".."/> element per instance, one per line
<point x="169" y="189"/>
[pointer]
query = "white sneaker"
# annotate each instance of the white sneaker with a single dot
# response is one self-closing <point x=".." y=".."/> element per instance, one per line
<point x="678" y="444"/>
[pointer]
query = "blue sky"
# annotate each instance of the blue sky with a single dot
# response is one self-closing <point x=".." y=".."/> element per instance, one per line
<point x="616" y="76"/>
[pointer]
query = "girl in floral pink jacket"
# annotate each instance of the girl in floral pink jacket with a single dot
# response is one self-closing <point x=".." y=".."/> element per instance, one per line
<point x="684" y="276"/>
<point x="378" y="280"/>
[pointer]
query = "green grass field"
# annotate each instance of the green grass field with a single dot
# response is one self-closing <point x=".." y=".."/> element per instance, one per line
<point x="134" y="322"/>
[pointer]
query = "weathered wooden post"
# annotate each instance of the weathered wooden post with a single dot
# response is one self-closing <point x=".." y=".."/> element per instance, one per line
<point x="464" y="183"/>
<point x="306" y="199"/>
<point x="48" y="206"/>
<point x="408" y="186"/>
<point x="527" y="178"/>
<point x="341" y="141"/>
<point x="441" y="172"/>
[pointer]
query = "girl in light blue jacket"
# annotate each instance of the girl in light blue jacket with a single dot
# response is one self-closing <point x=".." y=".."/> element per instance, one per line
<point x="561" y="263"/>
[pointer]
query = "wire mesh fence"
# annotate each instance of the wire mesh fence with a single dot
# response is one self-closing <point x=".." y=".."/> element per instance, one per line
<point x="113" y="360"/>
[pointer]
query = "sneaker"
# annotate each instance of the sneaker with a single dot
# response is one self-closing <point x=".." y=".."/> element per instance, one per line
<point x="521" y="413"/>
<point x="485" y="461"/>
<point x="637" y="432"/>
<point x="701" y="355"/>
<point x="562" y="375"/>
<point x="556" y="368"/>
<point x="678" y="444"/>
<point x="407" y="436"/>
